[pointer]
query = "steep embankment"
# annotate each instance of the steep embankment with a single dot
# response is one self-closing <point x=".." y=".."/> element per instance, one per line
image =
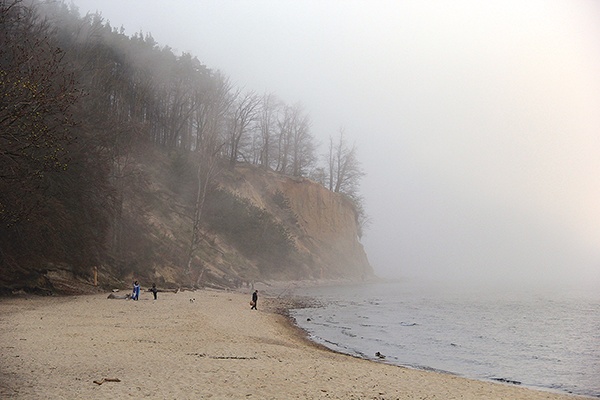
<point x="257" y="225"/>
<point x="322" y="224"/>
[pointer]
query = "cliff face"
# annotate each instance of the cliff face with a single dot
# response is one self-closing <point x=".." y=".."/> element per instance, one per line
<point x="257" y="225"/>
<point x="322" y="224"/>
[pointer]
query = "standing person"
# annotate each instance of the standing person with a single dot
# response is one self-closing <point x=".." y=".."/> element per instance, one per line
<point x="136" y="291"/>
<point x="154" y="290"/>
<point x="254" y="300"/>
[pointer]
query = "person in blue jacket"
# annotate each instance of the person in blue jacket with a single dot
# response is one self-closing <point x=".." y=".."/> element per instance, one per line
<point x="136" y="291"/>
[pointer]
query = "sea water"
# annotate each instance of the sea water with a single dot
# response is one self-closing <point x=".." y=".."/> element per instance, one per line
<point x="545" y="339"/>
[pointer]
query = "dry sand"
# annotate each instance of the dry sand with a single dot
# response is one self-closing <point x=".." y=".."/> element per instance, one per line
<point x="214" y="347"/>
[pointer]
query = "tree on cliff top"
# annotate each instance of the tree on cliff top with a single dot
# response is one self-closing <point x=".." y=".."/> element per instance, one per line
<point x="344" y="175"/>
<point x="345" y="171"/>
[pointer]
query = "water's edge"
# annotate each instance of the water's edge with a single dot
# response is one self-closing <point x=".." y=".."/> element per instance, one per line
<point x="291" y="307"/>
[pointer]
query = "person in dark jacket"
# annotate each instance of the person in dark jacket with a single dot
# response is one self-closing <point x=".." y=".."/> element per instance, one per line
<point x="254" y="300"/>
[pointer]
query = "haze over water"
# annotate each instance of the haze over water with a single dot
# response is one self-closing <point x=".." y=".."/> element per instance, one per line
<point x="476" y="122"/>
<point x="545" y="339"/>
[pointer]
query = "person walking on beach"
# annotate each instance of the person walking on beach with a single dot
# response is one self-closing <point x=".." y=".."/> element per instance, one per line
<point x="254" y="300"/>
<point x="136" y="291"/>
<point x="154" y="290"/>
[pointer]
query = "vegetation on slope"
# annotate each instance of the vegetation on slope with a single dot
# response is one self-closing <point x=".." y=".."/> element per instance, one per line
<point x="114" y="153"/>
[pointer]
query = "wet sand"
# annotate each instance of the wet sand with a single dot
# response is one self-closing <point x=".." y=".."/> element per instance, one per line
<point x="213" y="347"/>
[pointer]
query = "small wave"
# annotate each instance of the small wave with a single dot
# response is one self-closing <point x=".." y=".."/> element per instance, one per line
<point x="373" y="326"/>
<point x="425" y="368"/>
<point x="408" y="324"/>
<point x="505" y="380"/>
<point x="348" y="333"/>
<point x="335" y="344"/>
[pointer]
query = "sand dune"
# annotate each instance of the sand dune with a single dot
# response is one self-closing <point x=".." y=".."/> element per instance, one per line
<point x="214" y="347"/>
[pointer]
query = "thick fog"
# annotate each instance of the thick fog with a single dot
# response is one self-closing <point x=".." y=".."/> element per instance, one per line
<point x="477" y="122"/>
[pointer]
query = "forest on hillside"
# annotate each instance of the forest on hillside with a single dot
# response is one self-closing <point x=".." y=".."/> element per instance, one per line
<point x="80" y="102"/>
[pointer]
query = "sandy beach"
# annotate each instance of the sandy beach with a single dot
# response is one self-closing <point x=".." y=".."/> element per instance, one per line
<point x="212" y="347"/>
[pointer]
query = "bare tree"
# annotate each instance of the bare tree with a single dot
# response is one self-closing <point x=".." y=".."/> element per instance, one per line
<point x="245" y="113"/>
<point x="214" y="100"/>
<point x="267" y="126"/>
<point x="53" y="177"/>
<point x="37" y="92"/>
<point x="302" y="143"/>
<point x="284" y="129"/>
<point x="295" y="144"/>
<point x="344" y="174"/>
<point x="344" y="168"/>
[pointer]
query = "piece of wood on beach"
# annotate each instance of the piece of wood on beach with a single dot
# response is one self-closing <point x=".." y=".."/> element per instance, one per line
<point x="101" y="381"/>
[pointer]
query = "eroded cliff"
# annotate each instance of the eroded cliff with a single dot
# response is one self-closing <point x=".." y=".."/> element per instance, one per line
<point x="322" y="224"/>
<point x="256" y="225"/>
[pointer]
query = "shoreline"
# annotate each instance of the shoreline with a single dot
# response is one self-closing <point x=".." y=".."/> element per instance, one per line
<point x="201" y="344"/>
<point x="301" y="302"/>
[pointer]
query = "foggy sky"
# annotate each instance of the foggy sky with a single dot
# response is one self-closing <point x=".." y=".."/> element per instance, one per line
<point x="477" y="123"/>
